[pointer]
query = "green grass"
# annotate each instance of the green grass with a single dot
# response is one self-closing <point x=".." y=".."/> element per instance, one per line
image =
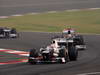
<point x="83" y="21"/>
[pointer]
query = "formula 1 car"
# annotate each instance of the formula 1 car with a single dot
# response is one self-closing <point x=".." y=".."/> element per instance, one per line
<point x="60" y="50"/>
<point x="78" y="39"/>
<point x="8" y="32"/>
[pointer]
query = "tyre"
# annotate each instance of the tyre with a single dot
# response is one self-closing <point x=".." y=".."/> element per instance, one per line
<point x="6" y="34"/>
<point x="30" y="61"/>
<point x="33" y="53"/>
<point x="13" y="31"/>
<point x="63" y="54"/>
<point x="72" y="52"/>
<point x="1" y="31"/>
<point x="79" y="40"/>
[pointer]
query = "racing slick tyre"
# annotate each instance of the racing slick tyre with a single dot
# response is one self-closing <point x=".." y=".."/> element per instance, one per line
<point x="6" y="34"/>
<point x="73" y="53"/>
<point x="33" y="53"/>
<point x="47" y="56"/>
<point x="79" y="40"/>
<point x="63" y="54"/>
<point x="13" y="31"/>
<point x="30" y="61"/>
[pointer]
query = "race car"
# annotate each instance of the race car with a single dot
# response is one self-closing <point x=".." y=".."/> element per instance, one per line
<point x="8" y="32"/>
<point x="60" y="50"/>
<point x="78" y="39"/>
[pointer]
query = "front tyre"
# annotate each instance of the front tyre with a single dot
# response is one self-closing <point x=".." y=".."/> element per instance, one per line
<point x="64" y="56"/>
<point x="33" y="54"/>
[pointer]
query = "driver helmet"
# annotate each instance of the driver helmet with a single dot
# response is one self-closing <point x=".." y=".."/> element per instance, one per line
<point x="68" y="32"/>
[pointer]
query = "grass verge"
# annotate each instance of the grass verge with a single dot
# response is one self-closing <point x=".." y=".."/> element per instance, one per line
<point x="86" y="21"/>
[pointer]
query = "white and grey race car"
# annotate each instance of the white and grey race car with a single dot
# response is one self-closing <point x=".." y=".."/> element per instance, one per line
<point x="60" y="50"/>
<point x="8" y="32"/>
<point x="77" y="38"/>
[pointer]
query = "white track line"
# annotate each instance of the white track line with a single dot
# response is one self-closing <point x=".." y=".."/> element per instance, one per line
<point x="92" y="73"/>
<point x="17" y="15"/>
<point x="51" y="12"/>
<point x="3" y="17"/>
<point x="94" y="8"/>
<point x="72" y="10"/>
<point x="34" y="13"/>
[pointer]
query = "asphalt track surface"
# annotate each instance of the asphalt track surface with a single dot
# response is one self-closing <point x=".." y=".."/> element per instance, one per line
<point x="88" y="60"/>
<point x="11" y="7"/>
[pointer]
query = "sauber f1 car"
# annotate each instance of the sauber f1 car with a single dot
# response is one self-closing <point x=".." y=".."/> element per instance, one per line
<point x="70" y="34"/>
<point x="78" y="39"/>
<point x="60" y="50"/>
<point x="8" y="32"/>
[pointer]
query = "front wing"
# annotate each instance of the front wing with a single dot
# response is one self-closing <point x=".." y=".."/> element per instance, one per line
<point x="53" y="60"/>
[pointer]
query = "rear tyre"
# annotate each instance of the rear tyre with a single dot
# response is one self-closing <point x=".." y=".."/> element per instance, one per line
<point x="73" y="53"/>
<point x="13" y="31"/>
<point x="79" y="40"/>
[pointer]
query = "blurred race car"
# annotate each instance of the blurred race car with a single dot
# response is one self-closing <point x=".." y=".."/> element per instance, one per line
<point x="60" y="50"/>
<point x="8" y="32"/>
<point x="78" y="39"/>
